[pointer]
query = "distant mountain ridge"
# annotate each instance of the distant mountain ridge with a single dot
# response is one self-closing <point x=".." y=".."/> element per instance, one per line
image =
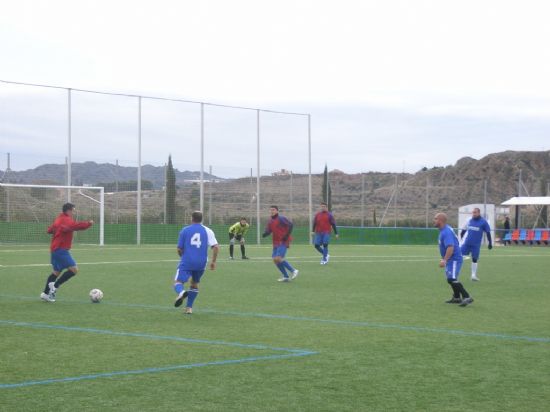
<point x="404" y="198"/>
<point x="92" y="173"/>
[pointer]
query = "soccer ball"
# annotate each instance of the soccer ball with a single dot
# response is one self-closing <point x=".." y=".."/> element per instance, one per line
<point x="96" y="295"/>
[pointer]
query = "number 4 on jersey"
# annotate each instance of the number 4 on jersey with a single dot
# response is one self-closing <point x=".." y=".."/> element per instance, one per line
<point x="196" y="240"/>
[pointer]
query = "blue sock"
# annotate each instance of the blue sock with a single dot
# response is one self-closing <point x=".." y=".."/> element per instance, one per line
<point x="288" y="265"/>
<point x="318" y="247"/>
<point x="325" y="252"/>
<point x="191" y="297"/>
<point x="281" y="267"/>
<point x="178" y="287"/>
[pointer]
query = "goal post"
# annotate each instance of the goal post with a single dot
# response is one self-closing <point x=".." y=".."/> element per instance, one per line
<point x="26" y="210"/>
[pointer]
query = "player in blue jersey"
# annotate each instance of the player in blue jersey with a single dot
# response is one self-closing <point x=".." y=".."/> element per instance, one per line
<point x="193" y="244"/>
<point x="472" y="235"/>
<point x="451" y="260"/>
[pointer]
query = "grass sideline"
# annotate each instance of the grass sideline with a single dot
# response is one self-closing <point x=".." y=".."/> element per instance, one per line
<point x="369" y="331"/>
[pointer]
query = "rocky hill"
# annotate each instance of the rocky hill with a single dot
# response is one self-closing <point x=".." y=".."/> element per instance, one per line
<point x="394" y="198"/>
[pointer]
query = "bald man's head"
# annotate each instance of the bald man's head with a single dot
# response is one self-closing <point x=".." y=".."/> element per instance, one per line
<point x="440" y="220"/>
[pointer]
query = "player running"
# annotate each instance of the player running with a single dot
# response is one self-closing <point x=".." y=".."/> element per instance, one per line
<point x="323" y="224"/>
<point x="193" y="243"/>
<point x="451" y="260"/>
<point x="281" y="228"/>
<point x="472" y="235"/>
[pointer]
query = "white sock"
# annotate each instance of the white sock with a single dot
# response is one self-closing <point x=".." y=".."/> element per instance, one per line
<point x="474" y="269"/>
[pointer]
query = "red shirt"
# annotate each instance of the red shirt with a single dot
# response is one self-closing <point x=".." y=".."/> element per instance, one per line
<point x="280" y="227"/>
<point x="324" y="222"/>
<point x="62" y="230"/>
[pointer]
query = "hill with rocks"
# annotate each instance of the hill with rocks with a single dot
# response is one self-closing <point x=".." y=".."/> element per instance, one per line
<point x="370" y="198"/>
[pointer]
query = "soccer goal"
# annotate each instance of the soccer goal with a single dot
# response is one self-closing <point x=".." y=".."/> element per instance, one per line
<point x="27" y="210"/>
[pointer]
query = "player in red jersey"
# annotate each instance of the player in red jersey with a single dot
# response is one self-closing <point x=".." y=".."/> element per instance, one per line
<point x="323" y="224"/>
<point x="280" y="228"/>
<point x="62" y="230"/>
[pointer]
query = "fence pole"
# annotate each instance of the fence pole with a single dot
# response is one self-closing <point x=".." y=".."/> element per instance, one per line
<point x="309" y="173"/>
<point x="362" y="200"/>
<point x="291" y="192"/>
<point x="258" y="176"/>
<point x="69" y="143"/>
<point x="201" y="203"/>
<point x="138" y="211"/>
<point x="210" y="196"/>
<point x="427" y="199"/>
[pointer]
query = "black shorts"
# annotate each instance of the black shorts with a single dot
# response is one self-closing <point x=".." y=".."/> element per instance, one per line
<point x="237" y="237"/>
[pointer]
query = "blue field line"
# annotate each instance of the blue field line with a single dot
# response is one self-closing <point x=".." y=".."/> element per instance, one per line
<point x="289" y="353"/>
<point x="150" y="370"/>
<point x="365" y="324"/>
<point x="381" y="325"/>
<point x="149" y="336"/>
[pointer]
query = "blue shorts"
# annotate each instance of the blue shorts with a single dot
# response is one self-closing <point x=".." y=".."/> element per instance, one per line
<point x="184" y="275"/>
<point x="61" y="259"/>
<point x="473" y="249"/>
<point x="279" y="251"/>
<point x="322" y="238"/>
<point x="452" y="269"/>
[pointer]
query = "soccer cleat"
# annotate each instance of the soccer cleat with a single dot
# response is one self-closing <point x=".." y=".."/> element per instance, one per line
<point x="231" y="258"/>
<point x="46" y="298"/>
<point x="53" y="289"/>
<point x="180" y="298"/>
<point x="188" y="311"/>
<point x="454" y="300"/>
<point x="323" y="262"/>
<point x="283" y="279"/>
<point x="294" y="274"/>
<point x="245" y="258"/>
<point x="474" y="278"/>
<point x="466" y="302"/>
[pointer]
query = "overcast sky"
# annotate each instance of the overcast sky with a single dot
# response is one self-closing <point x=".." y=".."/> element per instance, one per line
<point x="390" y="85"/>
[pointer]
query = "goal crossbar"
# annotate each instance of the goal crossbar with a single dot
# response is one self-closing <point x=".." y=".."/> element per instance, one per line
<point x="101" y="201"/>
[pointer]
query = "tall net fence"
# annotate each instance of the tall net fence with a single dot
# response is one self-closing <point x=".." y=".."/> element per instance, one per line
<point x="129" y="144"/>
<point x="250" y="159"/>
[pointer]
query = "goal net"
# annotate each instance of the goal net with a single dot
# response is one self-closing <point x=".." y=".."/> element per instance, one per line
<point x="27" y="210"/>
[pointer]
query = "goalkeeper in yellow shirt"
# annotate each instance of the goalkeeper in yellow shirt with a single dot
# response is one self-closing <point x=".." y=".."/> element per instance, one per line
<point x="236" y="233"/>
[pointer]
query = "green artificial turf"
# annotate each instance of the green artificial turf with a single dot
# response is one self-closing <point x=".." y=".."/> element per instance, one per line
<point x="368" y="331"/>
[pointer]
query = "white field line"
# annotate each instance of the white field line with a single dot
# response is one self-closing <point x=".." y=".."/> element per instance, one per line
<point x="107" y="248"/>
<point x="302" y="259"/>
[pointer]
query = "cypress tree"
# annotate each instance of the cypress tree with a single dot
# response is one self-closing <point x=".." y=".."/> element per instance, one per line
<point x="327" y="197"/>
<point x="170" y="192"/>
